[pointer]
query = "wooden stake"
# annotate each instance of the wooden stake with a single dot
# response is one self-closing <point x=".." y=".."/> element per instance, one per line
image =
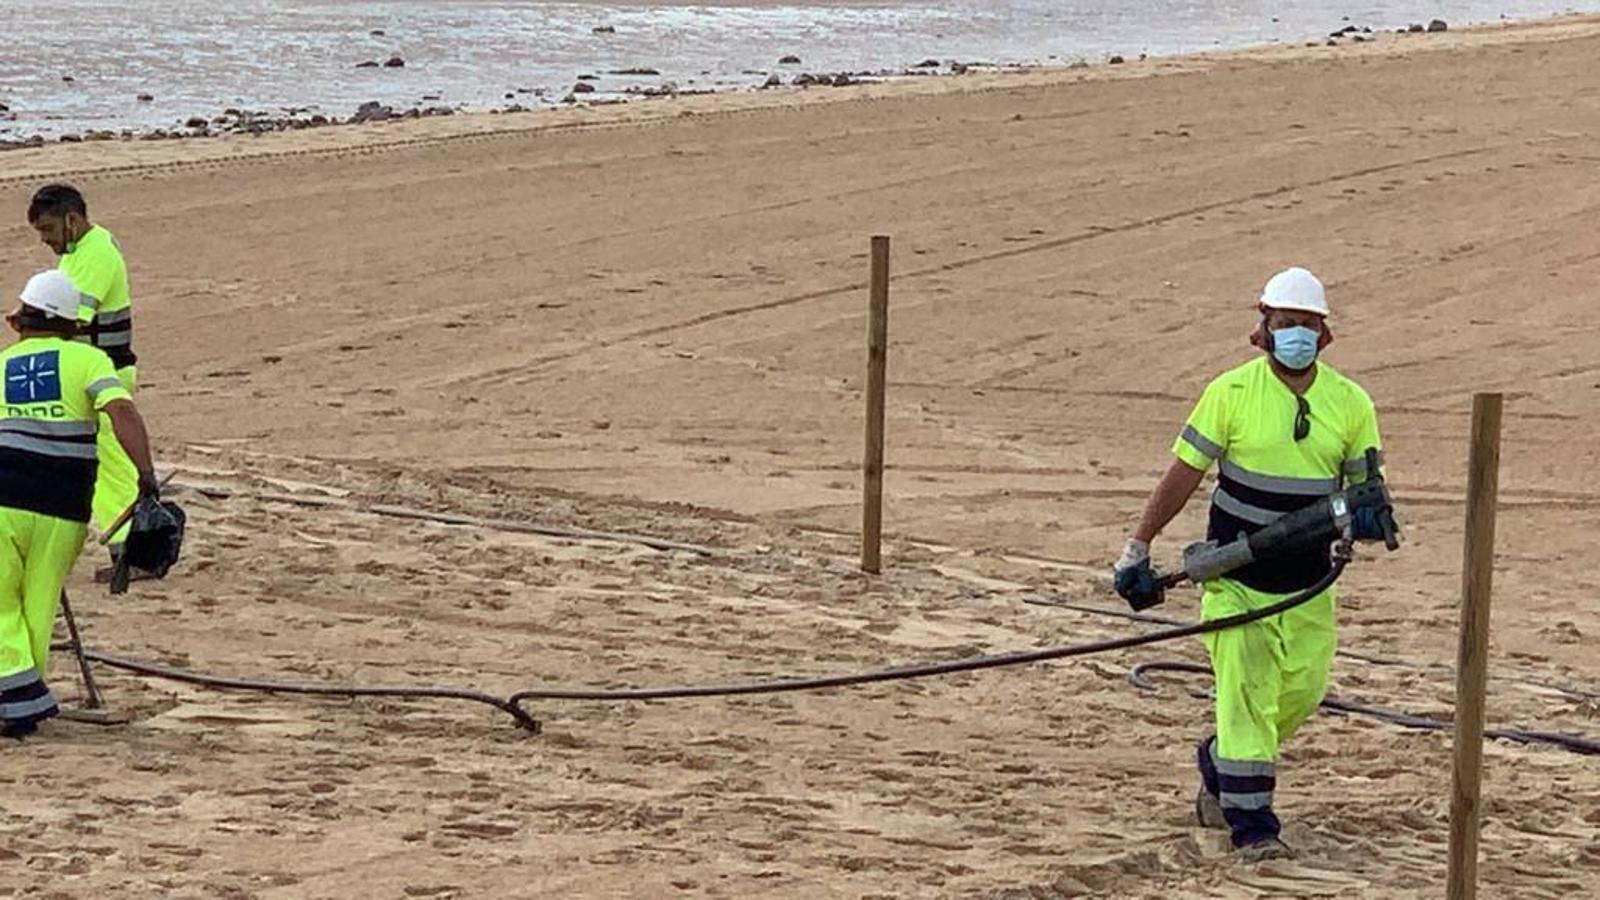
<point x="877" y="360"/>
<point x="1483" y="485"/>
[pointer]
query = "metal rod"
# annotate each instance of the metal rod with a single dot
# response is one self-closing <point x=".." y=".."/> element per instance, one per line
<point x="75" y="642"/>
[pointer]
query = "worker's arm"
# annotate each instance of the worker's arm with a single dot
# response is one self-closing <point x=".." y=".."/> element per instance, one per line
<point x="1202" y="442"/>
<point x="92" y="274"/>
<point x="1168" y="499"/>
<point x="1132" y="574"/>
<point x="1363" y="436"/>
<point x="129" y="426"/>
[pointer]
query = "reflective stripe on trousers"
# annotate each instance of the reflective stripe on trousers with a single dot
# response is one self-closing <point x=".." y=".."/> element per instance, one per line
<point x="1270" y="678"/>
<point x="36" y="555"/>
<point x="1244" y="790"/>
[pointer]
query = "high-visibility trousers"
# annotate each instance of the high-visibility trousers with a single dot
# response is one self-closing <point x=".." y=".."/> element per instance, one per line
<point x="1270" y="676"/>
<point x="36" y="556"/>
<point x="116" y="486"/>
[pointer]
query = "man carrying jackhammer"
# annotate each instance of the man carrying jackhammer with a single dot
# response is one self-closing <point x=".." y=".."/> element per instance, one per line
<point x="1285" y="431"/>
<point x="91" y="257"/>
<point x="56" y="391"/>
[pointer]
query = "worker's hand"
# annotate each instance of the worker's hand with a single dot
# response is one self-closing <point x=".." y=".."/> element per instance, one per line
<point x="1137" y="585"/>
<point x="1373" y="524"/>
<point x="1366" y="524"/>
<point x="1134" y="553"/>
<point x="149" y="486"/>
<point x="1133" y="578"/>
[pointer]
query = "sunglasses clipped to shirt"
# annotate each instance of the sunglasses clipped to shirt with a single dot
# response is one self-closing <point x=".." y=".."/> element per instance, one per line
<point x="1302" y="419"/>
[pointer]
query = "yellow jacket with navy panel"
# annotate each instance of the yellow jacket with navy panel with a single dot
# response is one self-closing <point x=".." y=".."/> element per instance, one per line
<point x="99" y="272"/>
<point x="54" y="390"/>
<point x="1245" y="424"/>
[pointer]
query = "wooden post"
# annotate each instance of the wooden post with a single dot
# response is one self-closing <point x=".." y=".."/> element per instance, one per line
<point x="1483" y="485"/>
<point x="877" y="359"/>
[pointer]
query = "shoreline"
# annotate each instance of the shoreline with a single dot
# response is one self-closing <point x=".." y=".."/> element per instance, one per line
<point x="932" y="75"/>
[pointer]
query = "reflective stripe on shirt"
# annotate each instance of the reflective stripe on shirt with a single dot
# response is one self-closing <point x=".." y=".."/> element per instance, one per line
<point x="1279" y="484"/>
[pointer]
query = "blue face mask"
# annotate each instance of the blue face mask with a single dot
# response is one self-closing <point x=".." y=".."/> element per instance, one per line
<point x="1295" y="348"/>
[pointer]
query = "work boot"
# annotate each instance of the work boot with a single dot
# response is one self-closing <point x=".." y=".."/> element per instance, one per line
<point x="19" y="730"/>
<point x="1207" y="803"/>
<point x="1208" y="809"/>
<point x="1263" y="850"/>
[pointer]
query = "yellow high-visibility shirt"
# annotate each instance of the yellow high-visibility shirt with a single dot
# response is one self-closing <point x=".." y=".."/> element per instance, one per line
<point x="97" y="269"/>
<point x="1246" y="423"/>
<point x="54" y="390"/>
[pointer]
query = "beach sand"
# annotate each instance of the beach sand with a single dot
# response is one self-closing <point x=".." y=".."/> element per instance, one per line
<point x="651" y="319"/>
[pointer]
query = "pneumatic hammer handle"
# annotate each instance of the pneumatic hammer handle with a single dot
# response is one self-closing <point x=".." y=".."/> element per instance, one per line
<point x="1159" y="595"/>
<point x="1391" y="530"/>
<point x="1172" y="579"/>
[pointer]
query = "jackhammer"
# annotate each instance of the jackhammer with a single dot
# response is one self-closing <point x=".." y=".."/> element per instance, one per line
<point x="1361" y="512"/>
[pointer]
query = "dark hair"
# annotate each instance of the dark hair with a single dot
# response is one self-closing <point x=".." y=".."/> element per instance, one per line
<point x="56" y="200"/>
<point x="39" y="320"/>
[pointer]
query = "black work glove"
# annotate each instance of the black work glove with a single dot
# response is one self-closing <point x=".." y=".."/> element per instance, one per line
<point x="1372" y="524"/>
<point x="1137" y="585"/>
<point x="149" y="486"/>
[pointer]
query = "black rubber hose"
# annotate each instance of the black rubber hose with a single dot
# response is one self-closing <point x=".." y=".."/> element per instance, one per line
<point x="512" y="705"/>
<point x="1055" y="603"/>
<point x="156" y="670"/>
<point x="1571" y="690"/>
<point x="924" y="670"/>
<point x="1576" y="743"/>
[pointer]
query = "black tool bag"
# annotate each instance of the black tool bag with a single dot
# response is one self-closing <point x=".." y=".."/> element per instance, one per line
<point x="155" y="540"/>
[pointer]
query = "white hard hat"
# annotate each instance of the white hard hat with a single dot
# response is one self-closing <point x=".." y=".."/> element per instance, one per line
<point x="1295" y="289"/>
<point x="54" y="293"/>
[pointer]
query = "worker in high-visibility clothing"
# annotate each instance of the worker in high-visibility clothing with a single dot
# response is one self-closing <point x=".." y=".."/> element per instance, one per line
<point x="57" y="390"/>
<point x="91" y="257"/>
<point x="1284" y="429"/>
